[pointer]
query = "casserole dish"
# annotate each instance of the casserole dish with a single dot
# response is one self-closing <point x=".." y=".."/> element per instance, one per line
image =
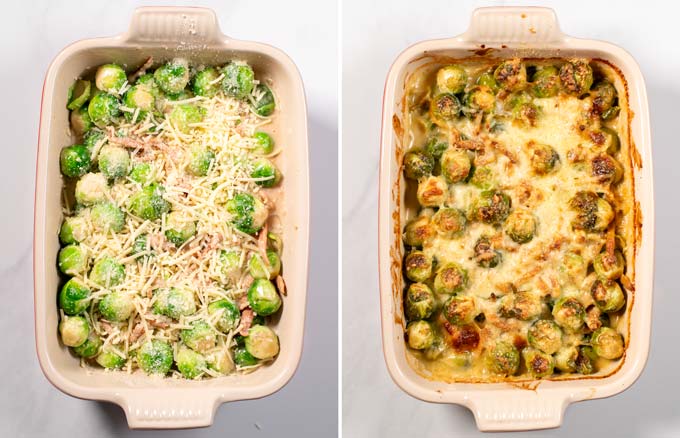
<point x="165" y="33"/>
<point x="504" y="33"/>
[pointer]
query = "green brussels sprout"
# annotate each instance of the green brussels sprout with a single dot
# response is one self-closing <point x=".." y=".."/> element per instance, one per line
<point x="257" y="268"/>
<point x="141" y="245"/>
<point x="117" y="306"/>
<point x="74" y="161"/>
<point x="545" y="335"/>
<point x="139" y="97"/>
<point x="607" y="343"/>
<point x="522" y="305"/>
<point x="263" y="297"/>
<point x="205" y="82"/>
<point x="480" y="98"/>
<point x="147" y="81"/>
<point x="242" y="358"/>
<point x="201" y="159"/>
<point x="455" y="165"/>
<point x="503" y="359"/>
<point x="482" y="178"/>
<point x="417" y="164"/>
<point x="432" y="191"/>
<point x="143" y="174"/>
<point x="229" y="265"/>
<point x="436" y="147"/>
<point x="565" y="359"/>
<point x="74" y="297"/>
<point x="107" y="216"/>
<point x="261" y="342"/>
<point x="605" y="169"/>
<point x="573" y="267"/>
<point x="149" y="203"/>
<point x="114" y="161"/>
<point x="450" y="278"/>
<point x="263" y="102"/>
<point x="493" y="207"/>
<point x="523" y="109"/>
<point x="460" y="309"/>
<point x="487" y="79"/>
<point x="569" y="313"/>
<point x="610" y="140"/>
<point x="238" y="80"/>
<point x="80" y="121"/>
<point x="544" y="158"/>
<point x="107" y="272"/>
<point x="182" y="95"/>
<point x="444" y="107"/>
<point x="172" y="77"/>
<point x="90" y="348"/>
<point x="155" y="357"/>
<point x="521" y="226"/>
<point x="78" y="94"/>
<point x="485" y="254"/>
<point x="92" y="139"/>
<point x="103" y="109"/>
<point x="546" y="82"/>
<point x="538" y="363"/>
<point x="451" y="79"/>
<point x="419" y="302"/>
<point x="604" y="97"/>
<point x="248" y="213"/>
<point x="449" y="222"/>
<point x="609" y="267"/>
<point x="174" y="302"/>
<point x="74" y="330"/>
<point x="109" y="359"/>
<point x="110" y="78"/>
<point x="230" y="316"/>
<point x="585" y="361"/>
<point x="593" y="213"/>
<point x="420" y="334"/>
<point x="418" y="266"/>
<point x="179" y="228"/>
<point x="576" y="76"/>
<point x="608" y="295"/>
<point x="220" y="361"/>
<point x="418" y="231"/>
<point x="200" y="337"/>
<point x="266" y="172"/>
<point x="73" y="260"/>
<point x="611" y="113"/>
<point x="190" y="363"/>
<point x="511" y="74"/>
<point x="264" y="143"/>
<point x="182" y="116"/>
<point x="73" y="230"/>
<point x="434" y="351"/>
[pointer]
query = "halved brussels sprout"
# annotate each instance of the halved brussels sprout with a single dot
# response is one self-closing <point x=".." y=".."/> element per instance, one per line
<point x="266" y="172"/>
<point x="460" y="309"/>
<point x="455" y="165"/>
<point x="248" y="213"/>
<point x="230" y="315"/>
<point x="74" y="330"/>
<point x="103" y="109"/>
<point x="417" y="164"/>
<point x="544" y="158"/>
<point x="485" y="254"/>
<point x="92" y="138"/>
<point x="139" y="96"/>
<point x="220" y="361"/>
<point x="545" y="335"/>
<point x="418" y="231"/>
<point x="521" y="226"/>
<point x="436" y="147"/>
<point x="109" y="359"/>
<point x="174" y="302"/>
<point x="511" y="74"/>
<point x="149" y="203"/>
<point x="593" y="213"/>
<point x="569" y="313"/>
<point x="609" y="267"/>
<point x="546" y="82"/>
<point x="173" y="76"/>
<point x="419" y="302"/>
<point x="538" y="363"/>
<point x="201" y="159"/>
<point x="450" y="278"/>
<point x="200" y="337"/>
<point x="261" y="342"/>
<point x="190" y="363"/>
<point x="184" y="115"/>
<point x="480" y="98"/>
<point x="74" y="160"/>
<point x="263" y="297"/>
<point x="143" y="174"/>
<point x="179" y="228"/>
<point x="205" y="82"/>
<point x="607" y="343"/>
<point x="610" y="140"/>
<point x="73" y="260"/>
<point x="242" y="358"/>
<point x="444" y="108"/>
<point x="487" y="79"/>
<point x="74" y="297"/>
<point x="573" y="267"/>
<point x="238" y="80"/>
<point x="565" y="359"/>
<point x="78" y="94"/>
<point x="608" y="295"/>
<point x="451" y="79"/>
<point x="155" y="357"/>
<point x="492" y="207"/>
<point x="107" y="272"/>
<point x="257" y="268"/>
<point x="523" y="109"/>
<point x="449" y="222"/>
<point x="229" y="265"/>
<point x="117" y="306"/>
<point x="107" y="216"/>
<point x="148" y="82"/>
<point x="110" y="78"/>
<point x="80" y="121"/>
<point x="263" y="102"/>
<point x="73" y="230"/>
<point x="576" y="76"/>
<point x="264" y="143"/>
<point x="585" y="362"/>
<point x="417" y="266"/>
<point x="432" y="191"/>
<point x="606" y="169"/>
<point x="482" y="178"/>
<point x="90" y="348"/>
<point x="503" y="358"/>
<point x="604" y="97"/>
<point x="523" y="305"/>
<point x="420" y="334"/>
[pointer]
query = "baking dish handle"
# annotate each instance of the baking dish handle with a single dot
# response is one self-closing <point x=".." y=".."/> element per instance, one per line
<point x="161" y="410"/>
<point x="518" y="25"/>
<point x="523" y="411"/>
<point x="187" y="27"/>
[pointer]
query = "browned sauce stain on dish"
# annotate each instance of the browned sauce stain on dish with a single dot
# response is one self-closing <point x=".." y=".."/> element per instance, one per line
<point x="524" y="15"/>
<point x="396" y="252"/>
<point x="532" y="29"/>
<point x="637" y="159"/>
<point x="483" y="50"/>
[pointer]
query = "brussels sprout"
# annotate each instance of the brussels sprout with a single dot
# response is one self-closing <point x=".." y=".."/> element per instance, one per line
<point x="143" y="173"/>
<point x="523" y="305"/>
<point x="493" y="207"/>
<point x="451" y="79"/>
<point x="262" y="342"/>
<point x="147" y="81"/>
<point x="242" y="358"/>
<point x="78" y="94"/>
<point x="182" y="116"/>
<point x="595" y="318"/>
<point x="605" y="169"/>
<point x="220" y="361"/>
<point x="190" y="363"/>
<point x="92" y="139"/>
<point x="263" y="102"/>
<point x="90" y="348"/>
<point x="485" y="255"/>
<point x="585" y="361"/>
<point x="107" y="273"/>
<point x="576" y="76"/>
<point x="73" y="260"/>
<point x="73" y="230"/>
<point x="569" y="313"/>
<point x="545" y="335"/>
<point x="74" y="330"/>
<point x="610" y="142"/>
<point x="109" y="359"/>
<point x="450" y="278"/>
<point x="179" y="228"/>
<point x="511" y="74"/>
<point x="74" y="160"/>
<point x="174" y="302"/>
<point x="503" y="359"/>
<point x="611" y="113"/>
<point x="140" y="246"/>
<point x="487" y="79"/>
<point x="607" y="343"/>
<point x="460" y="309"/>
<point x="435" y="147"/>
<point x="149" y="203"/>
<point x="546" y="82"/>
<point x="521" y="226"/>
<point x="592" y="212"/>
<point x="608" y="295"/>
<point x="418" y="231"/>
<point x="103" y="109"/>
<point x="230" y="264"/>
<point x="114" y="161"/>
<point x="482" y="178"/>
<point x="110" y="78"/>
<point x="74" y="297"/>
<point x="266" y="172"/>
<point x="201" y="159"/>
<point x="573" y="267"/>
<point x="205" y="82"/>
<point x="609" y="267"/>
<point x="117" y="306"/>
<point x="420" y="334"/>
<point x="544" y="158"/>
<point x="565" y="359"/>
<point x="200" y="337"/>
<point x="538" y="363"/>
<point x="480" y="98"/>
<point x="173" y="76"/>
<point x="80" y="121"/>
<point x="248" y="213"/>
<point x="257" y="268"/>
<point x="417" y="164"/>
<point x="444" y="107"/>
<point x="604" y="96"/>
<point x="230" y="315"/>
<point x="107" y="216"/>
<point x="139" y="97"/>
<point x="238" y="80"/>
<point x="449" y="222"/>
<point x="418" y="266"/>
<point x="155" y="357"/>
<point x="264" y="143"/>
<point x="263" y="297"/>
<point x="419" y="302"/>
<point x="522" y="107"/>
<point x="434" y="351"/>
<point x="455" y="165"/>
<point x="432" y="191"/>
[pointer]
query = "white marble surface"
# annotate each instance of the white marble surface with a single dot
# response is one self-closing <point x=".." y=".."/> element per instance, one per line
<point x="374" y="33"/>
<point x="31" y="35"/>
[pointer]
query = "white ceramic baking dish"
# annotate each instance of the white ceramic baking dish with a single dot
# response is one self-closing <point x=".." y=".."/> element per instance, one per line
<point x="164" y="33"/>
<point x="506" y="32"/>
